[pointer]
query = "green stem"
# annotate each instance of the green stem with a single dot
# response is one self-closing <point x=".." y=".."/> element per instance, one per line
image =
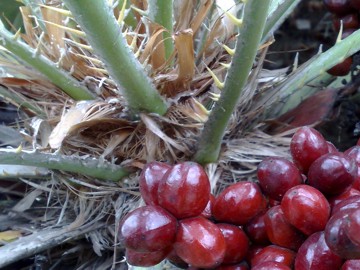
<point x="104" y="34"/>
<point x="277" y="17"/>
<point x="57" y="76"/>
<point x="312" y="69"/>
<point x="161" y="12"/>
<point x="88" y="166"/>
<point x="247" y="45"/>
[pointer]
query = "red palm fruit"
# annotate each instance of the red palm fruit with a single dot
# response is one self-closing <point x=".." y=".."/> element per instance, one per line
<point x="274" y="253"/>
<point x="145" y="259"/>
<point x="239" y="203"/>
<point x="148" y="228"/>
<point x="184" y="190"/>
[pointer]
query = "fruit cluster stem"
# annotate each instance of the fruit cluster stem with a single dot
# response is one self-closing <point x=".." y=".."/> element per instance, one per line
<point x="104" y="34"/>
<point x="91" y="167"/>
<point x="248" y="40"/>
<point x="35" y="59"/>
<point x="161" y="12"/>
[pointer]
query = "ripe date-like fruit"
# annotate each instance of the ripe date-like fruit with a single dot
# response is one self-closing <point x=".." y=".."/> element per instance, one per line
<point x="238" y="203"/>
<point x="339" y="7"/>
<point x="334" y="200"/>
<point x="307" y="145"/>
<point x="200" y="243"/>
<point x="306" y="208"/>
<point x="280" y="231"/>
<point x="349" y="203"/>
<point x="145" y="259"/>
<point x="237" y="243"/>
<point x="271" y="266"/>
<point x="274" y="253"/>
<point x="256" y="230"/>
<point x="239" y="266"/>
<point x="314" y="254"/>
<point x="184" y="190"/>
<point x="336" y="237"/>
<point x="276" y="175"/>
<point x="332" y="174"/>
<point x="341" y="69"/>
<point x="148" y="228"/>
<point x="352" y="227"/>
<point x="206" y="213"/>
<point x="149" y="180"/>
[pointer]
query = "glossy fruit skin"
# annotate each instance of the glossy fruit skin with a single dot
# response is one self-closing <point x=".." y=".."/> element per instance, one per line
<point x="352" y="227"/>
<point x="306" y="208"/>
<point x="335" y="200"/>
<point x="336" y="237"/>
<point x="341" y="69"/>
<point x="145" y="259"/>
<point x="148" y="228"/>
<point x="332" y="174"/>
<point x="184" y="190"/>
<point x="351" y="265"/>
<point x="307" y="144"/>
<point x="271" y="266"/>
<point x="200" y="243"/>
<point x="239" y="203"/>
<point x="206" y="213"/>
<point x="174" y="259"/>
<point x="354" y="153"/>
<point x="277" y="175"/>
<point x="237" y="243"/>
<point x="339" y="7"/>
<point x="274" y="253"/>
<point x="314" y="254"/>
<point x="149" y="180"/>
<point x="256" y="230"/>
<point x="280" y="231"/>
<point x="349" y="203"/>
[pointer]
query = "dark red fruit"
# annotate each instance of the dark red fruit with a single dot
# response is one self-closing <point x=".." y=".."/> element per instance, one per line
<point x="355" y="4"/>
<point x="341" y="69"/>
<point x="306" y="208"/>
<point x="200" y="243"/>
<point x="149" y="180"/>
<point x="351" y="265"/>
<point x="274" y="253"/>
<point x="333" y="201"/>
<point x="349" y="203"/>
<point x="314" y="254"/>
<point x="307" y="145"/>
<point x="237" y="243"/>
<point x="184" y="190"/>
<point x="174" y="259"/>
<point x="352" y="227"/>
<point x="339" y="7"/>
<point x="148" y="228"/>
<point x="354" y="153"/>
<point x="256" y="230"/>
<point x="240" y="266"/>
<point x="145" y="259"/>
<point x="277" y="175"/>
<point x="336" y="237"/>
<point x="206" y="213"/>
<point x="239" y="203"/>
<point x="349" y="21"/>
<point x="271" y="266"/>
<point x="332" y="174"/>
<point x="331" y="147"/>
<point x="280" y="231"/>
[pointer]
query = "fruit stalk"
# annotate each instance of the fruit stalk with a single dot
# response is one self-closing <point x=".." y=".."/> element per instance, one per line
<point x="247" y="45"/>
<point x="35" y="59"/>
<point x="161" y="12"/>
<point x="104" y="35"/>
<point x="90" y="167"/>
